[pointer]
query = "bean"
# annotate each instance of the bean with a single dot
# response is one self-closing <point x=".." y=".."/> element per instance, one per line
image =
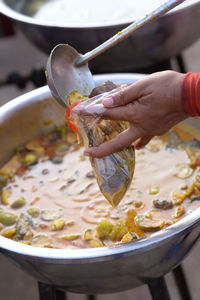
<point x="70" y="237"/>
<point x="19" y="203"/>
<point x="5" y="195"/>
<point x="103" y="229"/>
<point x="9" y="232"/>
<point x="88" y="235"/>
<point x="95" y="243"/>
<point x="57" y="224"/>
<point x="7" y="218"/>
<point x="30" y="159"/>
<point x="33" y="212"/>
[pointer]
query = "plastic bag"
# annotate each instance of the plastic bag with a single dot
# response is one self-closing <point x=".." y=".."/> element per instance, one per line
<point x="113" y="173"/>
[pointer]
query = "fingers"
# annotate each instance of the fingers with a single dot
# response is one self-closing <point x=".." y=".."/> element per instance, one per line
<point x="123" y="113"/>
<point x="117" y="144"/>
<point x="124" y="96"/>
<point x="143" y="141"/>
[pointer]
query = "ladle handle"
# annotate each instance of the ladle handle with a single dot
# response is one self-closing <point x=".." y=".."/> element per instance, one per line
<point x="127" y="31"/>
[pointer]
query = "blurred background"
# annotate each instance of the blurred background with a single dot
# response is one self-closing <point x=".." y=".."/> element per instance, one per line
<point x="22" y="65"/>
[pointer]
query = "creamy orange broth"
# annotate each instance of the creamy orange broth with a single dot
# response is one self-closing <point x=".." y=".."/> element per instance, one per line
<point x="69" y="188"/>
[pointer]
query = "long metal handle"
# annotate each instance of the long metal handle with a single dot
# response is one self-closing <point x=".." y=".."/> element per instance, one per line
<point x="127" y="31"/>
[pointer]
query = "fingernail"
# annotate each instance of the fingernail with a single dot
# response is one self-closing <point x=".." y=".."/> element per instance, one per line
<point x="108" y="101"/>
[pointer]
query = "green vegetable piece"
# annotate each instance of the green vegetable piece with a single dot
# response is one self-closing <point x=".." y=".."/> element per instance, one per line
<point x="128" y="237"/>
<point x="119" y="230"/>
<point x="147" y="224"/>
<point x="24" y="224"/>
<point x="35" y="146"/>
<point x="28" y="235"/>
<point x="148" y="215"/>
<point x="33" y="212"/>
<point x="88" y="235"/>
<point x="197" y="178"/>
<point x="61" y="148"/>
<point x="29" y="159"/>
<point x="41" y="240"/>
<point x="104" y="229"/>
<point x="95" y="243"/>
<point x="180" y="210"/>
<point x="5" y="195"/>
<point x="11" y="166"/>
<point x="154" y="190"/>
<point x="183" y="171"/>
<point x="57" y="224"/>
<point x="70" y="237"/>
<point x="178" y="197"/>
<point x="51" y="214"/>
<point x="9" y="232"/>
<point x="7" y="218"/>
<point x="19" y="203"/>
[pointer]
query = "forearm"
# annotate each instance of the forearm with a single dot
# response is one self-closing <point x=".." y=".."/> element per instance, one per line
<point x="191" y="94"/>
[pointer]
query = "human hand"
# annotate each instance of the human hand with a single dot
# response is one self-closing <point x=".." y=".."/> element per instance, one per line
<point x="151" y="106"/>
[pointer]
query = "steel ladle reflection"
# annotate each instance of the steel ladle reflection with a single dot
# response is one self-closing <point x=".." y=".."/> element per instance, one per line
<point x="67" y="70"/>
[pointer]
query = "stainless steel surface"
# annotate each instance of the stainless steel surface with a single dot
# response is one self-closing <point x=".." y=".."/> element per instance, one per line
<point x="126" y="32"/>
<point x="62" y="75"/>
<point x="161" y="39"/>
<point x="89" y="271"/>
<point x="67" y="70"/>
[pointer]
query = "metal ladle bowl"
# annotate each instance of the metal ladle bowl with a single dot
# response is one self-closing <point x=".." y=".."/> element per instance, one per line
<point x="67" y="70"/>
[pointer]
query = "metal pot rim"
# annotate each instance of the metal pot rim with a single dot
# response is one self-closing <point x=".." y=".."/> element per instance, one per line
<point x="95" y="254"/>
<point x="17" y="16"/>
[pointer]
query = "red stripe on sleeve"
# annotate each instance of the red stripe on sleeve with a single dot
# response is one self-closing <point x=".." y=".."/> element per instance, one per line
<point x="191" y="94"/>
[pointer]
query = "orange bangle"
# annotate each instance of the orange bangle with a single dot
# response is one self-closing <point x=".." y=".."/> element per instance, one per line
<point x="191" y="94"/>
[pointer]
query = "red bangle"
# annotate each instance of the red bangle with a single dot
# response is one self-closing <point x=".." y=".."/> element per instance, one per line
<point x="191" y="94"/>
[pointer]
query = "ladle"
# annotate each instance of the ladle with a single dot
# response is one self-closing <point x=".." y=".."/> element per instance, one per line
<point x="67" y="70"/>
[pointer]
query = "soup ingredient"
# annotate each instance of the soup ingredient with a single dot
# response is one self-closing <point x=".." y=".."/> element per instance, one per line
<point x="128" y="237"/>
<point x="163" y="204"/>
<point x="33" y="212"/>
<point x="183" y="171"/>
<point x="104" y="229"/>
<point x="51" y="214"/>
<point x="24" y="224"/>
<point x="41" y="240"/>
<point x="119" y="230"/>
<point x="88" y="235"/>
<point x="5" y="195"/>
<point x="57" y="224"/>
<point x="9" y="232"/>
<point x="180" y="210"/>
<point x="131" y="225"/>
<point x="19" y="203"/>
<point x="154" y="190"/>
<point x="7" y="218"/>
<point x="70" y="237"/>
<point x="29" y="159"/>
<point x="96" y="243"/>
<point x="147" y="224"/>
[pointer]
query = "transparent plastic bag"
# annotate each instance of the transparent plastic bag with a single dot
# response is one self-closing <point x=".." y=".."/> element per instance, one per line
<point x="114" y="172"/>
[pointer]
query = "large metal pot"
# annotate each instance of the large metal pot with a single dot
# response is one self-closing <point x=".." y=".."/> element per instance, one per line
<point x="158" y="41"/>
<point x="88" y="271"/>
